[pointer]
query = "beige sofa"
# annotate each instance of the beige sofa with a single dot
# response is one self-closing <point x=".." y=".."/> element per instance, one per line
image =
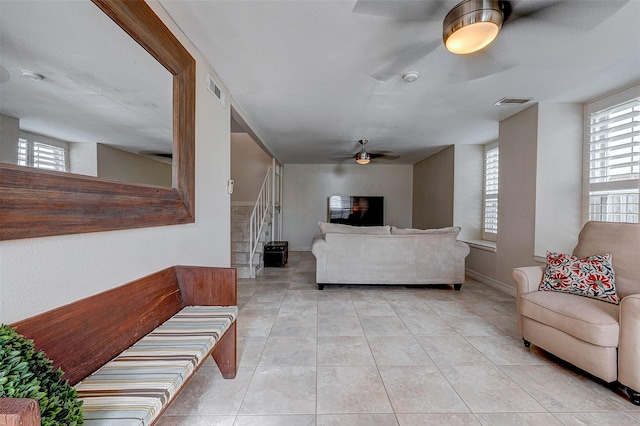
<point x="598" y="337"/>
<point x="385" y="255"/>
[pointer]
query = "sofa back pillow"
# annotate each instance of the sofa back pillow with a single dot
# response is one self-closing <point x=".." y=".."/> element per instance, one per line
<point x="338" y="228"/>
<point x="414" y="231"/>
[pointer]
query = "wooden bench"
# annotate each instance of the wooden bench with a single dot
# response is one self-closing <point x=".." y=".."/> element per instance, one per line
<point x="83" y="336"/>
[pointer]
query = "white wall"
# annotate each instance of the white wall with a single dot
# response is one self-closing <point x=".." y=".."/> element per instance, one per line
<point x="41" y="273"/>
<point x="249" y="165"/>
<point x="9" y="134"/>
<point x="539" y="191"/>
<point x="433" y="190"/>
<point x="559" y="177"/>
<point x="447" y="190"/>
<point x="518" y="140"/>
<point x="124" y="166"/>
<point x="467" y="183"/>
<point x="83" y="158"/>
<point x="306" y="188"/>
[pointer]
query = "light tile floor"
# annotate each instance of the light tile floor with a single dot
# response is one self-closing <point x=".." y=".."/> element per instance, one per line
<point x="365" y="355"/>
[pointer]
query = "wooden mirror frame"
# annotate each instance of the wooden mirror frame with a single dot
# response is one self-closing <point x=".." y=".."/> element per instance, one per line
<point x="37" y="203"/>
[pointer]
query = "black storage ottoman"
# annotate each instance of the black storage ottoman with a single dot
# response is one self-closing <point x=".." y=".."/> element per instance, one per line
<point x="276" y="254"/>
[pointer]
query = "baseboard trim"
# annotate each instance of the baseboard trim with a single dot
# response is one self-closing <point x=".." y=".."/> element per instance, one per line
<point x="498" y="285"/>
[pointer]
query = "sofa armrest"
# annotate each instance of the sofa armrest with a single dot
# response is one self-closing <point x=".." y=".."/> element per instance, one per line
<point x="461" y="250"/>
<point x="319" y="250"/>
<point x="629" y="343"/>
<point x="318" y="246"/>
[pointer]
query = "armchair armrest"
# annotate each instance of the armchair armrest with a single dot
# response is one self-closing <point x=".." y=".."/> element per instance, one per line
<point x="527" y="280"/>
<point x="629" y="343"/>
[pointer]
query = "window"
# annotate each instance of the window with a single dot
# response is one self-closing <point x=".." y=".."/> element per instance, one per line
<point x="41" y="155"/>
<point x="613" y="143"/>
<point x="490" y="193"/>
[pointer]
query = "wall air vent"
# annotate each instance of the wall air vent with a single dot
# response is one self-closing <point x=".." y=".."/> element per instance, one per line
<point x="215" y="89"/>
<point x="513" y="101"/>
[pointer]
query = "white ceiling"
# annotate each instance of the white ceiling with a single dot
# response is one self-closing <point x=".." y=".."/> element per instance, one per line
<point x="313" y="77"/>
<point x="99" y="84"/>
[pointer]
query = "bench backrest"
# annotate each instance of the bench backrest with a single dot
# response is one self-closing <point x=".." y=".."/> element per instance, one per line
<point x="84" y="335"/>
<point x="622" y="240"/>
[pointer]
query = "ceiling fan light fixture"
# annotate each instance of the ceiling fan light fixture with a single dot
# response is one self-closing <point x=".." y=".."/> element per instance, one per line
<point x="363" y="157"/>
<point x="472" y="25"/>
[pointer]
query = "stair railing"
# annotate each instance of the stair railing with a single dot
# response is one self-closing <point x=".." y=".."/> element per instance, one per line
<point x="259" y="215"/>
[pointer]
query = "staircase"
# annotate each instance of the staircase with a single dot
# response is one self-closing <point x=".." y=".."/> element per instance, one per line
<point x="250" y="228"/>
<point x="240" y="249"/>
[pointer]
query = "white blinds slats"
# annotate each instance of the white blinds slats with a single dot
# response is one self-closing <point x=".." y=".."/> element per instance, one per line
<point x="41" y="155"/>
<point x="48" y="157"/>
<point x="490" y="193"/>
<point x="23" y="152"/>
<point x="614" y="163"/>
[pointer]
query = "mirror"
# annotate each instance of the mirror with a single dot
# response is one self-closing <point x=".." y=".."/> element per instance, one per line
<point x="80" y="95"/>
<point x="36" y="203"/>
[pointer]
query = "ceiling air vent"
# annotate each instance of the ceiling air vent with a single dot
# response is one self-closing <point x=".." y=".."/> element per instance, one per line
<point x="215" y="89"/>
<point x="513" y="101"/>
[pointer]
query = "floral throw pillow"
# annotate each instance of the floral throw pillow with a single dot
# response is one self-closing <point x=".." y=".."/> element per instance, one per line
<point x="591" y="276"/>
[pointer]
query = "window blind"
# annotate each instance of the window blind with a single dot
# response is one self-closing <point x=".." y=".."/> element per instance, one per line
<point x="49" y="157"/>
<point x="614" y="163"/>
<point x="23" y="152"/>
<point x="490" y="193"/>
<point x="41" y="155"/>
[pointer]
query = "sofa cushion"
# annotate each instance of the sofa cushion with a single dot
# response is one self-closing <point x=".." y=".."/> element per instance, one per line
<point x="414" y="231"/>
<point x="591" y="276"/>
<point x="587" y="319"/>
<point x="339" y="228"/>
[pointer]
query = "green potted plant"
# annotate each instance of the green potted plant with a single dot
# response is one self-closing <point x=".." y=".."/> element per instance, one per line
<point x="27" y="373"/>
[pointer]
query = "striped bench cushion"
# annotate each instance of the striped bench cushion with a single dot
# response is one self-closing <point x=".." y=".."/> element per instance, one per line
<point x="134" y="387"/>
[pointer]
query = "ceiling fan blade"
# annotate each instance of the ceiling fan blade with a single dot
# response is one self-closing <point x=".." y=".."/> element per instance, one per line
<point x="342" y="158"/>
<point x="376" y="155"/>
<point x="402" y="10"/>
<point x="403" y="60"/>
<point x="467" y="68"/>
<point x="568" y="14"/>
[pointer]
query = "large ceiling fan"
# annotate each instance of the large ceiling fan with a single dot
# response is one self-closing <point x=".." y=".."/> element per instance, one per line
<point x="364" y="157"/>
<point x="472" y="25"/>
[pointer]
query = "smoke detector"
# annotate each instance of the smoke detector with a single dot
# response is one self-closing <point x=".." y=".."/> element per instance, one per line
<point x="410" y="76"/>
<point x="32" y="75"/>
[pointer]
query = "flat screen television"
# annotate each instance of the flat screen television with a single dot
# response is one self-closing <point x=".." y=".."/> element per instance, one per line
<point x="356" y="210"/>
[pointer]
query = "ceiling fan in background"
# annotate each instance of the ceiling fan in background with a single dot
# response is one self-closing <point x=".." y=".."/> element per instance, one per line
<point x="364" y="157"/>
<point x="472" y="25"/>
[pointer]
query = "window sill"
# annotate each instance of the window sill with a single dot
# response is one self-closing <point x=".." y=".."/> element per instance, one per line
<point x="482" y="245"/>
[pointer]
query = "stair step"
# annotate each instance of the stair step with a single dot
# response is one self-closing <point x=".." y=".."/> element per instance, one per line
<point x="240" y="228"/>
<point x="241" y="209"/>
<point x="242" y="258"/>
<point x="243" y="270"/>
